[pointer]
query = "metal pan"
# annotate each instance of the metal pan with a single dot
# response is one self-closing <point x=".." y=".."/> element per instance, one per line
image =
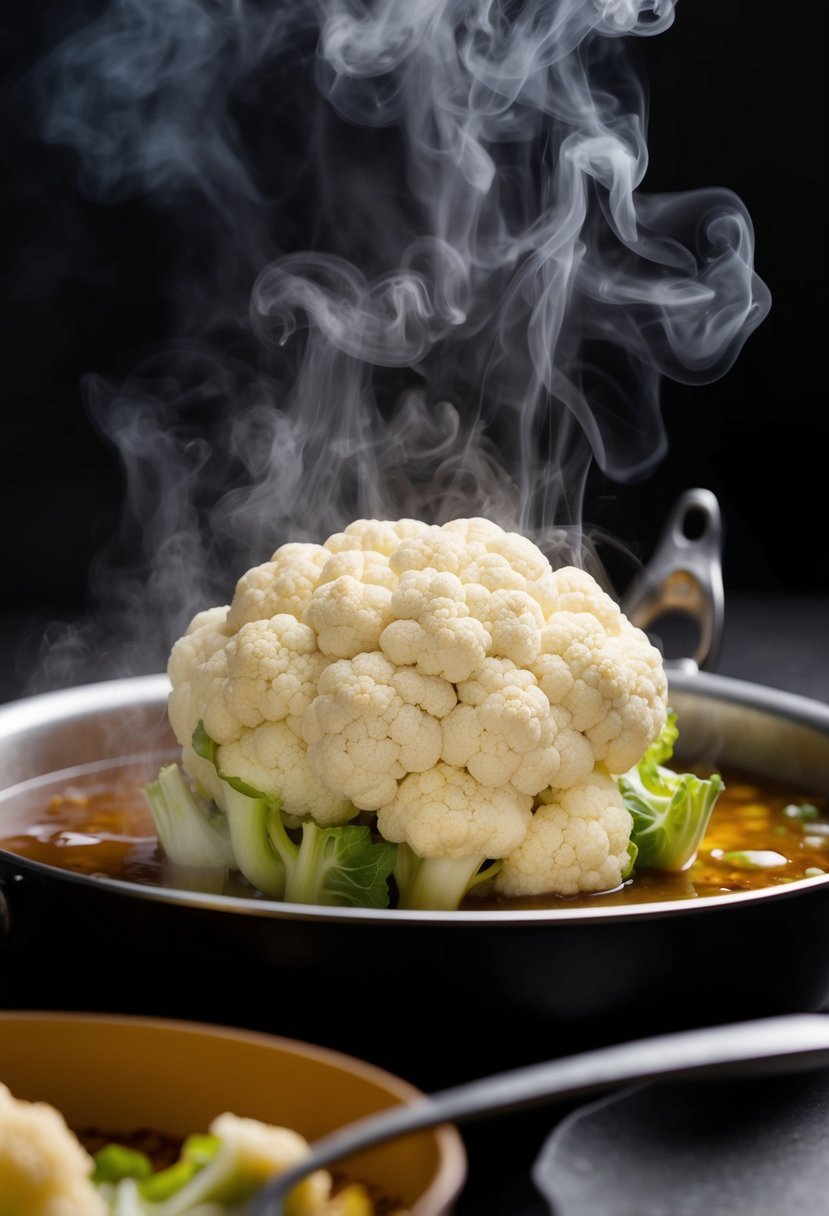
<point x="439" y="997"/>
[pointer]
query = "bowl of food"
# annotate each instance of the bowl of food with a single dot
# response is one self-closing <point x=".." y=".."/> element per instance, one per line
<point x="188" y="1114"/>
<point x="444" y="859"/>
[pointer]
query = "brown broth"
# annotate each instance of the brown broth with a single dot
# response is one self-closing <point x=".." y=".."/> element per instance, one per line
<point x="750" y="815"/>
<point x="99" y="824"/>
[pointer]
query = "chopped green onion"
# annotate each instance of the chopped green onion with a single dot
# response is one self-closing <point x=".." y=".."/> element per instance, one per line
<point x="168" y="1182"/>
<point x="755" y="859"/>
<point x="115" y="1162"/>
<point x="200" y="1148"/>
<point x="805" y="810"/>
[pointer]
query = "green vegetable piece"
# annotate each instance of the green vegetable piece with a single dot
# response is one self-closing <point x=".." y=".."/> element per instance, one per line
<point x="755" y="859"/>
<point x="166" y="1183"/>
<point x="814" y="872"/>
<point x="805" y="810"/>
<point x="335" y="867"/>
<point x="115" y="1162"/>
<point x="200" y="1148"/>
<point x="670" y="811"/>
<point x="340" y="867"/>
<point x="190" y="832"/>
<point x="208" y="749"/>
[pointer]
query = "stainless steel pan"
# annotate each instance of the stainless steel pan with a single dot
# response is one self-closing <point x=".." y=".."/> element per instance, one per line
<point x="440" y="997"/>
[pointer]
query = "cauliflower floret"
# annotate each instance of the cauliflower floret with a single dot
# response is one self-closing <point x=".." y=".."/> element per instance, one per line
<point x="273" y="758"/>
<point x="284" y="584"/>
<point x="198" y="662"/>
<point x="506" y="731"/>
<point x="579" y="592"/>
<point x="434" y="629"/>
<point x="365" y="565"/>
<point x="349" y="616"/>
<point x="381" y="535"/>
<point x="445" y="813"/>
<point x="207" y="634"/>
<point x="494" y="552"/>
<point x="605" y="673"/>
<point x="576" y="841"/>
<point x="512" y="619"/>
<point x="435" y="548"/>
<point x="270" y="672"/>
<point x="371" y="724"/>
<point x="44" y="1170"/>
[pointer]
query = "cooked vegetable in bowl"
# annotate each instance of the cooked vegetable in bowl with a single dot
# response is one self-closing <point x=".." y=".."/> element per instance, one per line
<point x="406" y="712"/>
<point x="45" y="1169"/>
<point x="145" y="1148"/>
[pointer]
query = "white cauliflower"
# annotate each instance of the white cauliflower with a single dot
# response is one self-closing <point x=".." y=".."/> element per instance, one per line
<point x="371" y="724"/>
<point x="506" y="731"/>
<point x="397" y="660"/>
<point x="577" y="841"/>
<point x="44" y="1170"/>
<point x="284" y="584"/>
<point x="450" y="824"/>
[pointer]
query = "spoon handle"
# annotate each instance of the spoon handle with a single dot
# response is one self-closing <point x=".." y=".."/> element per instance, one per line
<point x="789" y="1043"/>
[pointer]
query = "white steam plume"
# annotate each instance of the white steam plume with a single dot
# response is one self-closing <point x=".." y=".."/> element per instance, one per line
<point x="484" y="302"/>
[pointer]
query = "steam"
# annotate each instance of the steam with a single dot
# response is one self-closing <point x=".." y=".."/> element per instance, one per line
<point x="435" y="289"/>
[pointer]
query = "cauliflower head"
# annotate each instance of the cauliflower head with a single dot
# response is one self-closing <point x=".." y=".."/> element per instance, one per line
<point x="440" y="677"/>
<point x="44" y="1170"/>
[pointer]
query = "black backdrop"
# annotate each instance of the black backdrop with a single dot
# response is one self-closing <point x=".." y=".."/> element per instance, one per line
<point x="737" y="99"/>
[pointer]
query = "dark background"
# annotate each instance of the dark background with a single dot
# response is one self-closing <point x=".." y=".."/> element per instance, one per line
<point x="738" y="99"/>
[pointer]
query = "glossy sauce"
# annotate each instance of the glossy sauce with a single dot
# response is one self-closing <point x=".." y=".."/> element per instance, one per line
<point x="99" y="824"/>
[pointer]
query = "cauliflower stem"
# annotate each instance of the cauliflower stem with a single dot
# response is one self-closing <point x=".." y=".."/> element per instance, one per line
<point x="189" y="833"/>
<point x="333" y="866"/>
<point x="438" y="883"/>
<point x="337" y="866"/>
<point x="670" y="810"/>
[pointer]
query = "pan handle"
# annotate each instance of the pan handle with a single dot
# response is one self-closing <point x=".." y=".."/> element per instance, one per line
<point x="684" y="575"/>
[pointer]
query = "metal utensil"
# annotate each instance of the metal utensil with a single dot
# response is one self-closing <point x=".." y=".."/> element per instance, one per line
<point x="791" y="1043"/>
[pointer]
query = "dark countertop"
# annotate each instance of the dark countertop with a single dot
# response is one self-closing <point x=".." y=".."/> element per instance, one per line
<point x="778" y="640"/>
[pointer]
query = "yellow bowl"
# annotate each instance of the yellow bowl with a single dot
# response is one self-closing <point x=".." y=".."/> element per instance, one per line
<point x="121" y="1073"/>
